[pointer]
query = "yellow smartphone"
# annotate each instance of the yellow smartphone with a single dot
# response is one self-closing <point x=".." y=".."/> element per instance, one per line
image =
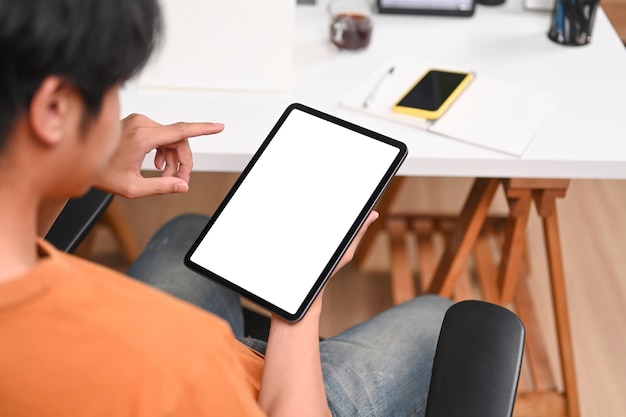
<point x="433" y="93"/>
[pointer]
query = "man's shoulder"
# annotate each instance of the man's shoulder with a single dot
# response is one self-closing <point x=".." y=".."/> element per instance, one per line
<point x="110" y="341"/>
<point x="135" y="319"/>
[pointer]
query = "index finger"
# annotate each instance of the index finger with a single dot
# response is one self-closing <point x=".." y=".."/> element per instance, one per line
<point x="176" y="132"/>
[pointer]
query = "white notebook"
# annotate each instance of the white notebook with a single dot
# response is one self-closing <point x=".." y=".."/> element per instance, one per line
<point x="490" y="113"/>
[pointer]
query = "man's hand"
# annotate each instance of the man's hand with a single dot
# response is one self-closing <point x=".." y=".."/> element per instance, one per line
<point x="349" y="254"/>
<point x="140" y="135"/>
<point x="292" y="374"/>
<point x="316" y="306"/>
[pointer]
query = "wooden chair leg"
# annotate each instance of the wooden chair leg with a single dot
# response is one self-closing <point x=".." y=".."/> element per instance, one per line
<point x="426" y="253"/>
<point x="383" y="206"/>
<point x="114" y="219"/>
<point x="402" y="282"/>
<point x="485" y="268"/>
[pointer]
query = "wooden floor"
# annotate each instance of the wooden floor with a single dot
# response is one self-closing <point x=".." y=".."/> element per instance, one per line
<point x="616" y="12"/>
<point x="593" y="230"/>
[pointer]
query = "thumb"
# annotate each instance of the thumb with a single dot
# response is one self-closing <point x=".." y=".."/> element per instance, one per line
<point x="163" y="185"/>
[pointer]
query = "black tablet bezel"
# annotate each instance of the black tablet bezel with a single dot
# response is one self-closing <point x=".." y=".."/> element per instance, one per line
<point x="332" y="263"/>
<point x="417" y="10"/>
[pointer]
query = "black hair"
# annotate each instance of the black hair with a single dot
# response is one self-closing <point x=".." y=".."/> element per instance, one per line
<point x="92" y="44"/>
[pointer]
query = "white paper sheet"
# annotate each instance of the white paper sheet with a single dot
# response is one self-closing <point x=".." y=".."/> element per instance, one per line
<point x="497" y="115"/>
<point x="225" y="45"/>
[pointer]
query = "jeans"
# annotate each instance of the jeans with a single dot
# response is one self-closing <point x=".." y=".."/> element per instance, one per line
<point x="380" y="367"/>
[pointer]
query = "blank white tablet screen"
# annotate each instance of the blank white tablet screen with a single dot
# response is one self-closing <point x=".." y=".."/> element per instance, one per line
<point x="282" y="226"/>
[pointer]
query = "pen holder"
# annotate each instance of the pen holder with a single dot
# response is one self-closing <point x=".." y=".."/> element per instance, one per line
<point x="572" y="21"/>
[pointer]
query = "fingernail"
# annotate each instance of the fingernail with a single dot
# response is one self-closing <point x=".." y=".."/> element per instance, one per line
<point x="180" y="187"/>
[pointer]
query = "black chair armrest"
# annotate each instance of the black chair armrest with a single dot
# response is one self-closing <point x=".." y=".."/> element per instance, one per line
<point x="77" y="219"/>
<point x="477" y="363"/>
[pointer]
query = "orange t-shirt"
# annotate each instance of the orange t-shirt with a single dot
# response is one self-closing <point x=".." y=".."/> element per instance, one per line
<point x="77" y="339"/>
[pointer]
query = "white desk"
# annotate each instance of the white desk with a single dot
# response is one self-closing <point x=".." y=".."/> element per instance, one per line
<point x="584" y="139"/>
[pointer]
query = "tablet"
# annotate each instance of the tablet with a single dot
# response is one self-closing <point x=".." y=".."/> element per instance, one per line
<point x="290" y="216"/>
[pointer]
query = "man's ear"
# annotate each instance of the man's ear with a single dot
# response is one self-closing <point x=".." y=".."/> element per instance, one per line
<point x="51" y="110"/>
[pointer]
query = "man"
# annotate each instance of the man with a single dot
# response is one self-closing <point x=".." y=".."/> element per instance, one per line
<point x="78" y="339"/>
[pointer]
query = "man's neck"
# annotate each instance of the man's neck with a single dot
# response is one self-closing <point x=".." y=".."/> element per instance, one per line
<point x="18" y="226"/>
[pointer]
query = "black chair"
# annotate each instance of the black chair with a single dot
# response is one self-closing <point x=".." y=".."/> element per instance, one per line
<point x="479" y="352"/>
<point x="77" y="219"/>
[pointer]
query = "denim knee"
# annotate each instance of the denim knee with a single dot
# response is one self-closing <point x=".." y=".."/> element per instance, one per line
<point x="382" y="366"/>
<point x="161" y="265"/>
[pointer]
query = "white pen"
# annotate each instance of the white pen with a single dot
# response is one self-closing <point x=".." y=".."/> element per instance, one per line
<point x="377" y="87"/>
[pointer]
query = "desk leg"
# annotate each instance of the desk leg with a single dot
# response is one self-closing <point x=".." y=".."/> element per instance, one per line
<point x="520" y="194"/>
<point x="519" y="200"/>
<point x="546" y="206"/>
<point x="462" y="240"/>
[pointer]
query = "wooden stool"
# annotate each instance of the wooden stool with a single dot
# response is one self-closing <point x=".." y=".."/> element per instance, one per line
<point x="474" y="256"/>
